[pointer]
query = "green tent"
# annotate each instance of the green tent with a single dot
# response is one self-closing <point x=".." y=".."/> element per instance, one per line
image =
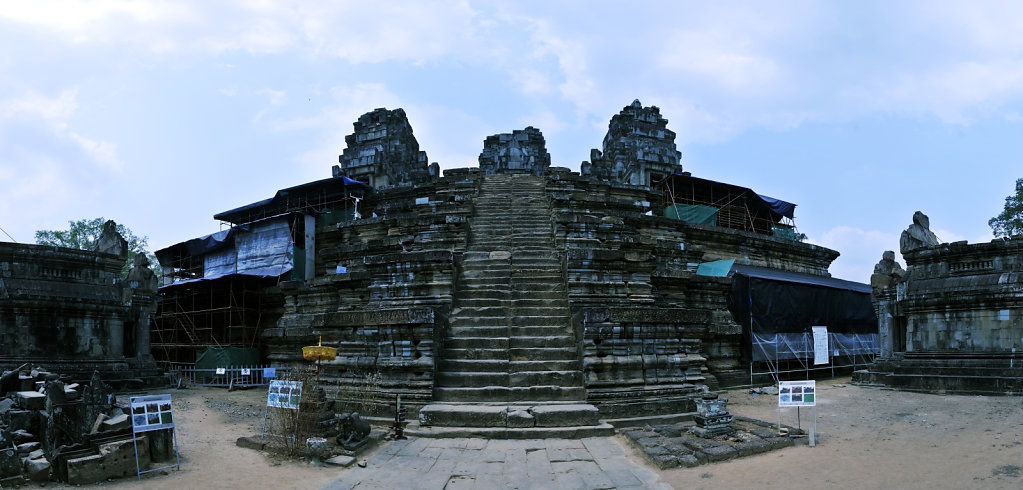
<point x="217" y="357"/>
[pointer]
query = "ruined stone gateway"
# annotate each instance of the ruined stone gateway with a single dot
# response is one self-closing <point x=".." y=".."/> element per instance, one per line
<point x="952" y="321"/>
<point x="517" y="297"/>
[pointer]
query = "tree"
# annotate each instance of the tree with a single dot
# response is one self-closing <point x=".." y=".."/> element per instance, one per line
<point x="1010" y="221"/>
<point x="84" y="233"/>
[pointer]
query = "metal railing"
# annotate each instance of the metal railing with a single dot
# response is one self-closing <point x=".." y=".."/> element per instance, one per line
<point x="228" y="377"/>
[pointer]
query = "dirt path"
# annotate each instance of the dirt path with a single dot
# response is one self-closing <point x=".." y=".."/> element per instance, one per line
<point x="208" y="421"/>
<point x="872" y="438"/>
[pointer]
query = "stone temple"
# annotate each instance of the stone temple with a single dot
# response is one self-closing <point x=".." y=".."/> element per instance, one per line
<point x="513" y="299"/>
<point x="952" y="321"/>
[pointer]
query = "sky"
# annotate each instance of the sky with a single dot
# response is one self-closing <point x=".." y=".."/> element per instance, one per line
<point x="160" y="114"/>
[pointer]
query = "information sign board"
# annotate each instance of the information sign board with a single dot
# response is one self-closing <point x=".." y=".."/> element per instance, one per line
<point x="151" y="412"/>
<point x="284" y="394"/>
<point x="797" y="393"/>
<point x="820" y="345"/>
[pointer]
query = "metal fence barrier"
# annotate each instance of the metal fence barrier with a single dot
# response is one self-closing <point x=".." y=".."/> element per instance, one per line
<point x="228" y="377"/>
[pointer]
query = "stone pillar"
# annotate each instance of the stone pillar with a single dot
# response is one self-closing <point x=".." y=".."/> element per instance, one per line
<point x="310" y="246"/>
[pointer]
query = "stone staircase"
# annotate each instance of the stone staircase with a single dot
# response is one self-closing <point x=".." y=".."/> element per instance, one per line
<point x="510" y="366"/>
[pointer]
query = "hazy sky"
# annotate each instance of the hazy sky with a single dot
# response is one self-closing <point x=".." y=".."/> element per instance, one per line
<point x="160" y="114"/>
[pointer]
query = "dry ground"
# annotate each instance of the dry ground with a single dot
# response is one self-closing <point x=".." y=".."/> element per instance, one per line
<point x="869" y="438"/>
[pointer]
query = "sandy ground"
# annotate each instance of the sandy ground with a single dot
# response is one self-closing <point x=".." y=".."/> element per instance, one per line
<point x="874" y="438"/>
<point x="868" y="438"/>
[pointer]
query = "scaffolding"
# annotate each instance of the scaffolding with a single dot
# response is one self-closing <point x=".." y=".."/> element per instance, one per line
<point x="737" y="207"/>
<point x="227" y="311"/>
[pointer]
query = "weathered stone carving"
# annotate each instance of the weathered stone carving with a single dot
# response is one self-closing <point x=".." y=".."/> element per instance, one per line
<point x="887" y="272"/>
<point x="111" y="242"/>
<point x="639" y="148"/>
<point x="918" y="235"/>
<point x="383" y="151"/>
<point x="521" y="151"/>
<point x="352" y="431"/>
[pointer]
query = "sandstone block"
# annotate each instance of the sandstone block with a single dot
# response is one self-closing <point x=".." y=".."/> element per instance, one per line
<point x="565" y="415"/>
<point x="343" y="461"/>
<point x="37" y="469"/>
<point x="119" y="422"/>
<point x="31" y="400"/>
<point x="520" y="418"/>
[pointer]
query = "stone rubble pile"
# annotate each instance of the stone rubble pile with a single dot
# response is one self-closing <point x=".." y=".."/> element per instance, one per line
<point x="74" y="433"/>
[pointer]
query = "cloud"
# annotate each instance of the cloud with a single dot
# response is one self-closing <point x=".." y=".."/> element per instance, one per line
<point x="861" y="250"/>
<point x="55" y="113"/>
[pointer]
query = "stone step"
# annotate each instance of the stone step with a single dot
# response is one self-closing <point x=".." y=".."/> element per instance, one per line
<point x="544" y="311"/>
<point x="497" y="292"/>
<point x="510" y="331"/>
<point x="549" y="342"/>
<point x="435" y="432"/>
<point x="510" y="393"/>
<point x="499" y="352"/>
<point x="506" y="303"/>
<point x="477" y="343"/>
<point x="512" y="416"/>
<point x="504" y="365"/>
<point x="460" y="320"/>
<point x="479" y="379"/>
<point x="473" y="354"/>
<point x="524" y="347"/>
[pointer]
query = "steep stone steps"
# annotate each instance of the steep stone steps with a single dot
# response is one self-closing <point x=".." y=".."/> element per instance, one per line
<point x="510" y="338"/>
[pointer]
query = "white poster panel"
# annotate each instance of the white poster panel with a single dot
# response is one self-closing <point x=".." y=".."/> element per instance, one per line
<point x="797" y="393"/>
<point x="284" y="394"/>
<point x="820" y="345"/>
<point x="151" y="412"/>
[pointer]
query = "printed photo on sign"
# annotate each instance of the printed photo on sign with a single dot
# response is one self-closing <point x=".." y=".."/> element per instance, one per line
<point x="797" y="393"/>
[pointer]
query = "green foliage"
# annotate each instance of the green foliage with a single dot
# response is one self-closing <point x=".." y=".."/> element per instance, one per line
<point x="84" y="233"/>
<point x="1010" y="221"/>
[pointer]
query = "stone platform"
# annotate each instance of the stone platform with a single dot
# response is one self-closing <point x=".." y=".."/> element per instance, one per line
<point x="670" y="446"/>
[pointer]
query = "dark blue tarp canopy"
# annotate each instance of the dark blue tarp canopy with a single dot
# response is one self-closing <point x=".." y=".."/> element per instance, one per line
<point x="777" y="207"/>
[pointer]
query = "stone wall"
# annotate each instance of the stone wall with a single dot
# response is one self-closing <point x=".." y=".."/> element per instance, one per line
<point x="69" y="310"/>
<point x="961" y="297"/>
<point x="382" y="293"/>
<point x="60" y="302"/>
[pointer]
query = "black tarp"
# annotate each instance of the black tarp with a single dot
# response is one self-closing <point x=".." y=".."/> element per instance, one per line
<point x="777" y="310"/>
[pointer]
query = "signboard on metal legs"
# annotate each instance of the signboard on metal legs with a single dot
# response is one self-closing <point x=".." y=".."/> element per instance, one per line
<point x="149" y="413"/>
<point x="799" y="394"/>
<point x="286" y="395"/>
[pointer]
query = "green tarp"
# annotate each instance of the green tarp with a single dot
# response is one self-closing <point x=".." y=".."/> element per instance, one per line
<point x="693" y="213"/>
<point x="215" y="357"/>
<point x="785" y="232"/>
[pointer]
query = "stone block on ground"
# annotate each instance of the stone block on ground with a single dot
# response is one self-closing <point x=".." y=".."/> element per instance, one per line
<point x="119" y="422"/>
<point x="27" y="447"/>
<point x="250" y="442"/>
<point x="30" y="400"/>
<point x="37" y="469"/>
<point x="114" y="460"/>
<point x="22" y="436"/>
<point x="10" y="463"/>
<point x="341" y="460"/>
<point x="565" y="415"/>
<point x="20" y="420"/>
<point x="6" y="405"/>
